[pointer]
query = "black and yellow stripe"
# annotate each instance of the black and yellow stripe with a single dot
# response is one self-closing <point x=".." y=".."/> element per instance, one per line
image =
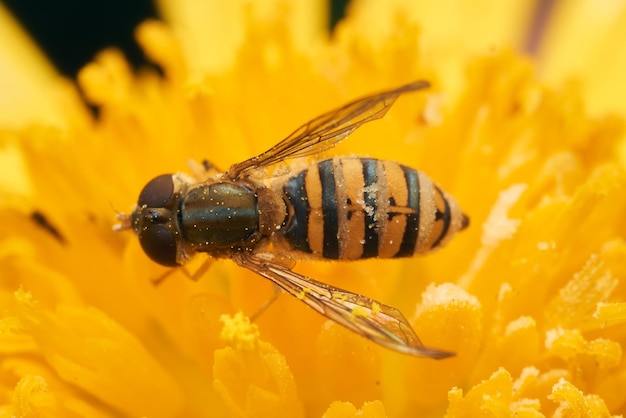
<point x="351" y="208"/>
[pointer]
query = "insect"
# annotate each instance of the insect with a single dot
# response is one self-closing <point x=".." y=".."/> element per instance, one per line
<point x="343" y="208"/>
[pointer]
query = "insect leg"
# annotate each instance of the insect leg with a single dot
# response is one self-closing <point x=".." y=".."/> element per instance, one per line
<point x="202" y="170"/>
<point x="256" y="314"/>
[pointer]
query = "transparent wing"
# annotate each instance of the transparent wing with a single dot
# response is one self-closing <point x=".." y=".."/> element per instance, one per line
<point x="380" y="323"/>
<point x="326" y="130"/>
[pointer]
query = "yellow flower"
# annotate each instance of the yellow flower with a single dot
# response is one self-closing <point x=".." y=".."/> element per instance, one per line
<point x="530" y="297"/>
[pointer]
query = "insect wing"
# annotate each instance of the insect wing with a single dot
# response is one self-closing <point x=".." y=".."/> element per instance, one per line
<point x="326" y="130"/>
<point x="380" y="323"/>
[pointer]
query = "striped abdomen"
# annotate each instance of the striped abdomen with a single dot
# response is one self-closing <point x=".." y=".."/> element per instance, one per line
<point x="350" y="208"/>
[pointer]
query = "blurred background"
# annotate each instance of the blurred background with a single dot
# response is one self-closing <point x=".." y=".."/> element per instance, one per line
<point x="71" y="32"/>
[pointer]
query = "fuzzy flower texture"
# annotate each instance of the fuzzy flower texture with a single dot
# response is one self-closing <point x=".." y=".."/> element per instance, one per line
<point x="531" y="297"/>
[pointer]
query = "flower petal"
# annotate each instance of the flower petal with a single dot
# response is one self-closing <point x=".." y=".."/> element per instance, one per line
<point x="251" y="376"/>
<point x="374" y="409"/>
<point x="216" y="26"/>
<point x="32" y="91"/>
<point x="573" y="402"/>
<point x="88" y="349"/>
<point x="584" y="43"/>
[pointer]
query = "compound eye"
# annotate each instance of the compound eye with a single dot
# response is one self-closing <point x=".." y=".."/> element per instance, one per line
<point x="157" y="193"/>
<point x="159" y="243"/>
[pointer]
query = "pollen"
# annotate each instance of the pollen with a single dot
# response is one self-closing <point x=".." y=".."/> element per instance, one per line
<point x="303" y="293"/>
<point x="361" y="311"/>
<point x="239" y="332"/>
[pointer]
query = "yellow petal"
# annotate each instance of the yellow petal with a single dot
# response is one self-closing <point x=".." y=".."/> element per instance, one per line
<point x="583" y="42"/>
<point x="339" y="349"/>
<point x="578" y="299"/>
<point x="14" y="184"/>
<point x="252" y="377"/>
<point x="339" y="409"/>
<point x="32" y="91"/>
<point x="611" y="313"/>
<point x="87" y="348"/>
<point x="447" y="318"/>
<point x="491" y="397"/>
<point x="216" y="26"/>
<point x="573" y="402"/>
<point x="34" y="396"/>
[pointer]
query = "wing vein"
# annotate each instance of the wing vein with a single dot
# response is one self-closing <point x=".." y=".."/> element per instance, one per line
<point x="367" y="317"/>
<point x="326" y="130"/>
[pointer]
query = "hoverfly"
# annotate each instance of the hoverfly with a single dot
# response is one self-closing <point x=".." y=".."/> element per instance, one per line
<point x="343" y="208"/>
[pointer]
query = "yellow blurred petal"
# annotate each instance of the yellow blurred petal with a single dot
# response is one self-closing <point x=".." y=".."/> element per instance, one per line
<point x="567" y="344"/>
<point x="491" y="397"/>
<point x="216" y="26"/>
<point x="87" y="348"/>
<point x="611" y="313"/>
<point x="338" y="409"/>
<point x="451" y="32"/>
<point x="450" y="318"/>
<point x="341" y="410"/>
<point x="107" y="80"/>
<point x="447" y="318"/>
<point x="32" y="91"/>
<point x="526" y="408"/>
<point x="577" y="300"/>
<point x="161" y="47"/>
<point x="527" y="380"/>
<point x="254" y="381"/>
<point x="340" y="349"/>
<point x="497" y="227"/>
<point x="606" y="353"/>
<point x="32" y="398"/>
<point x="607" y="390"/>
<point x="573" y="402"/>
<point x="35" y="396"/>
<point x="11" y="342"/>
<point x="498" y="396"/>
<point x="520" y="343"/>
<point x="14" y="182"/>
<point x="19" y="256"/>
<point x="584" y="42"/>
